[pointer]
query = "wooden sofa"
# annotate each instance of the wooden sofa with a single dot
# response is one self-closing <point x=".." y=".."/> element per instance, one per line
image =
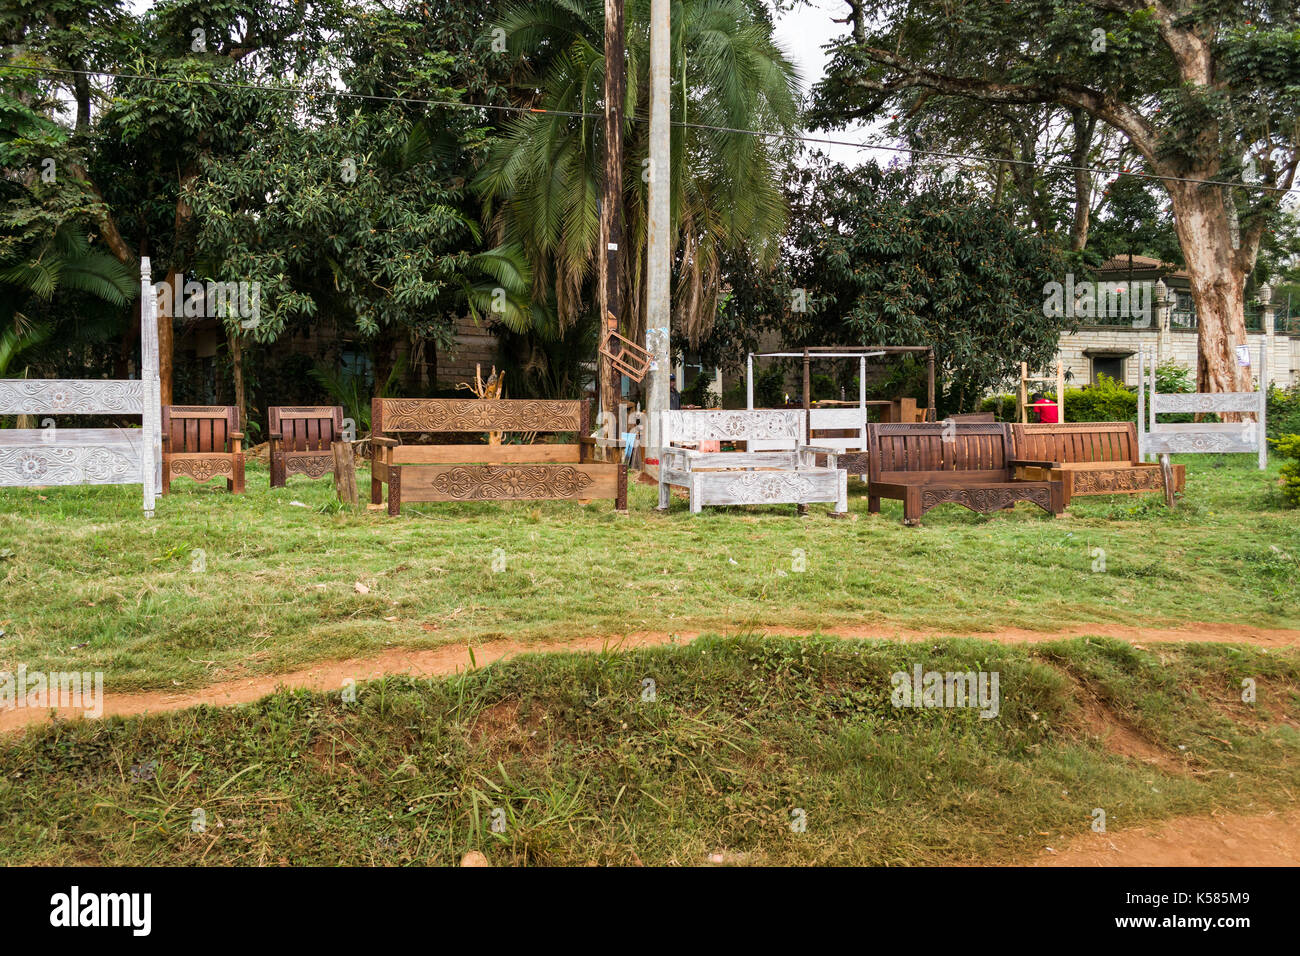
<point x="762" y="474"/>
<point x="1090" y="458"/>
<point x="300" y="440"/>
<point x="485" y="472"/>
<point x="202" y="442"/>
<point x="932" y="463"/>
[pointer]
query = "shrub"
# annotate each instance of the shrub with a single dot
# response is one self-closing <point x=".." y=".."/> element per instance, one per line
<point x="1003" y="407"/>
<point x="1283" y="411"/>
<point x="1105" y="401"/>
<point x="1288" y="446"/>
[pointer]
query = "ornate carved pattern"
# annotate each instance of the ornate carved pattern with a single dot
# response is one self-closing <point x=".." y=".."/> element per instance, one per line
<point x="191" y="411"/>
<point x="1208" y="402"/>
<point x="1188" y="442"/>
<point x="202" y="469"/>
<point x="1117" y="481"/>
<point x="476" y="415"/>
<point x="986" y="500"/>
<point x="69" y="397"/>
<point x="489" y="482"/>
<point x="313" y="466"/>
<point x="84" y="465"/>
<point x="760" y="487"/>
<point x="734" y="425"/>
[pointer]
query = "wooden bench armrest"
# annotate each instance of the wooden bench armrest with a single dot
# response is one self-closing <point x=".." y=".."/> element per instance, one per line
<point x="1030" y="463"/>
<point x="819" y="450"/>
<point x="275" y="436"/>
<point x="385" y="442"/>
<point x="237" y="436"/>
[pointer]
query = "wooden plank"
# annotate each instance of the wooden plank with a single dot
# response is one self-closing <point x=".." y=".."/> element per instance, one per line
<point x="484" y="454"/>
<point x="478" y="415"/>
<point x="721" y="425"/>
<point x="1204" y="438"/>
<point x="62" y="396"/>
<point x="532" y="482"/>
<point x="1206" y="402"/>
<point x="345" y="472"/>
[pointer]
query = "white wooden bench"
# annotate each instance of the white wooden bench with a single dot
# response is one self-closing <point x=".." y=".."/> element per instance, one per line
<point x="784" y="474"/>
<point x="1158" y="438"/>
<point x="51" y="455"/>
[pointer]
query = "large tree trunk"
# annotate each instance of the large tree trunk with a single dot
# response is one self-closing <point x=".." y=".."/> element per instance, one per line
<point x="166" y="344"/>
<point x="237" y="374"/>
<point x="1217" y="272"/>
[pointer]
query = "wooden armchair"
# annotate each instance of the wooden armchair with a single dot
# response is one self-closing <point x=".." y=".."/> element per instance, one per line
<point x="300" y="440"/>
<point x="202" y="442"/>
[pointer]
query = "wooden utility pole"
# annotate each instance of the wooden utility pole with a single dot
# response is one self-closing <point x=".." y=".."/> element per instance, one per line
<point x="611" y="212"/>
<point x="659" y="232"/>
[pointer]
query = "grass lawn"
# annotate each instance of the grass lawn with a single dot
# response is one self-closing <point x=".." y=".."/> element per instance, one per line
<point x="219" y="586"/>
<point x="751" y="751"/>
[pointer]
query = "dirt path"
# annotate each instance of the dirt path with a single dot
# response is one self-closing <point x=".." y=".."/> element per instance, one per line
<point x="451" y="659"/>
<point x="1265" y="839"/>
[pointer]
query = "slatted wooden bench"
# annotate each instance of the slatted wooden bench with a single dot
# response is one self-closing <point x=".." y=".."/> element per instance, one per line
<point x="1090" y="458"/>
<point x="202" y="442"/>
<point x="53" y="455"/>
<point x="300" y="439"/>
<point x="788" y="475"/>
<point x="480" y="472"/>
<point x="932" y="463"/>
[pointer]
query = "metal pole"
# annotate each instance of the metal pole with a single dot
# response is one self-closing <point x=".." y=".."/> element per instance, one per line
<point x="658" y="250"/>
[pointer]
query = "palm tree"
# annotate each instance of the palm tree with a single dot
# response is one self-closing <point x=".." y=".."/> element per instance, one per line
<point x="542" y="182"/>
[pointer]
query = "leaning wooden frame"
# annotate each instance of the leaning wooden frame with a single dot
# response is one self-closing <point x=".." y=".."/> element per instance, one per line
<point x="51" y="455"/>
<point x="480" y="472"/>
<point x="788" y="475"/>
<point x="1158" y="438"/>
<point x="928" y="464"/>
<point x="300" y="437"/>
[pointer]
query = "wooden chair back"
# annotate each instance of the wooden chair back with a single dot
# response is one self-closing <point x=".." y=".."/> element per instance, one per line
<point x="1077" y="442"/>
<point x="199" y="428"/>
<point x="306" y="427"/>
<point x="945" y="450"/>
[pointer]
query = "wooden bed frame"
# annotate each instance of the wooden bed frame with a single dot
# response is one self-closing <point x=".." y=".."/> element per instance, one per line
<point x="52" y="455"/>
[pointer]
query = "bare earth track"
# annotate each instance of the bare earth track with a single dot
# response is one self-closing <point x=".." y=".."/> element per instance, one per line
<point x="1271" y="839"/>
<point x="454" y="658"/>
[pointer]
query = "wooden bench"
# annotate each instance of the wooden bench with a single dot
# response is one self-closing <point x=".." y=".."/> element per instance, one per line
<point x="1090" y="458"/>
<point x="481" y="472"/>
<point x="788" y="475"/>
<point x="932" y="463"/>
<point x="202" y="442"/>
<point x="51" y="455"/>
<point x="300" y="440"/>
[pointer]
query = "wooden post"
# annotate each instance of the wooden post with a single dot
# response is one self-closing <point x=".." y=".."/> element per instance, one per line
<point x="345" y="472"/>
<point x="1060" y="392"/>
<point x="1024" y="393"/>
<point x="807" y="398"/>
<point x="930" y="413"/>
<point x="749" y="382"/>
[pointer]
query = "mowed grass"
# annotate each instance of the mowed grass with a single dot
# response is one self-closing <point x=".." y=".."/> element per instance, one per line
<point x="220" y="586"/>
<point x="743" y="750"/>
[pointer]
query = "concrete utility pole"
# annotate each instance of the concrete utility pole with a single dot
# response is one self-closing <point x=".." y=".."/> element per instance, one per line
<point x="658" y="250"/>
<point x="611" y="212"/>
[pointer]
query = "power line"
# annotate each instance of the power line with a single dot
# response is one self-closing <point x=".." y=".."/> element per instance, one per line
<point x="576" y="114"/>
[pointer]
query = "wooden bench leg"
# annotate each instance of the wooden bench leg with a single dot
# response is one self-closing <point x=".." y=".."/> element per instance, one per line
<point x="394" y="491"/>
<point x="236" y="484"/>
<point x="696" y="495"/>
<point x="620" y="499"/>
<point x="166" y="476"/>
<point x="912" y="507"/>
<point x="376" y="489"/>
<point x="873" y="504"/>
<point x="663" y="490"/>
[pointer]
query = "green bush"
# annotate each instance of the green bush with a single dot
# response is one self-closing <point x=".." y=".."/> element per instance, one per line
<point x="1105" y="401"/>
<point x="1283" y="416"/>
<point x="1288" y="446"/>
<point x="1003" y="407"/>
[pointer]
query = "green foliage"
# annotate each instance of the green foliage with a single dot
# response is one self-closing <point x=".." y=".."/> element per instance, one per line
<point x="1002" y="406"/>
<point x="1282" y="413"/>
<point x="1288" y="446"/>
<point x="887" y="258"/>
<point x="1105" y="401"/>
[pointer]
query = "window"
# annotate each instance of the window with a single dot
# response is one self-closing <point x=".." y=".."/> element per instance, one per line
<point x="1112" y="366"/>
